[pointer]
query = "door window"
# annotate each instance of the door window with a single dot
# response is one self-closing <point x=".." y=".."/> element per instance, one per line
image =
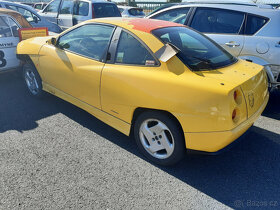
<point x="218" y="21"/>
<point x="52" y="7"/>
<point x="14" y="27"/>
<point x="89" y="40"/>
<point x="28" y="15"/>
<point x="131" y="51"/>
<point x="175" y="15"/>
<point x="5" y="30"/>
<point x="254" y="23"/>
<point x="67" y="7"/>
<point x="81" y="8"/>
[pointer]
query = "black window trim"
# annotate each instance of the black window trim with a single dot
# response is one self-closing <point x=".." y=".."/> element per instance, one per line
<point x="266" y="18"/>
<point x="103" y="57"/>
<point x="240" y="29"/>
<point x="114" y="45"/>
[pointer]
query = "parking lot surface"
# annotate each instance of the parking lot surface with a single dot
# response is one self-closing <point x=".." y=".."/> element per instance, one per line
<point x="54" y="155"/>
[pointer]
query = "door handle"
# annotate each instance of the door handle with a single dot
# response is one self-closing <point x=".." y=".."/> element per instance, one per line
<point x="232" y="44"/>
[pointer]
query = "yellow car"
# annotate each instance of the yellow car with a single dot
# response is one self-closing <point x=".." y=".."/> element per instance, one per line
<point x="169" y="86"/>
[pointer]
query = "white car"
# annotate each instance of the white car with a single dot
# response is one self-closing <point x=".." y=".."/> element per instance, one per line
<point x="128" y="11"/>
<point x="250" y="32"/>
<point x="67" y="13"/>
<point x="10" y="22"/>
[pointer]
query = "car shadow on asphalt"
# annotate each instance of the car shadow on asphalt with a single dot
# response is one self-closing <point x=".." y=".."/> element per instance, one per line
<point x="246" y="175"/>
<point x="273" y="107"/>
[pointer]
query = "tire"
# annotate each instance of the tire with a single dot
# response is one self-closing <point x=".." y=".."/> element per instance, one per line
<point x="159" y="138"/>
<point x="32" y="80"/>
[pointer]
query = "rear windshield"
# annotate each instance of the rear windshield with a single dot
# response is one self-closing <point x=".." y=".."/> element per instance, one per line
<point x="136" y="12"/>
<point x="105" y="10"/>
<point x="196" y="51"/>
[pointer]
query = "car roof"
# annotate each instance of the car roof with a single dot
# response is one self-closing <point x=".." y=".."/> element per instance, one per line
<point x="21" y="5"/>
<point x="128" y="7"/>
<point x="268" y="12"/>
<point x="139" y="24"/>
<point x="17" y="16"/>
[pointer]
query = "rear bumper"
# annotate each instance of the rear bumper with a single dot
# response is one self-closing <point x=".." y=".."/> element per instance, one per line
<point x="215" y="141"/>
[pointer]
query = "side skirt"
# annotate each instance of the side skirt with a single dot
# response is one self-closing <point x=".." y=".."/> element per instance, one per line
<point x="114" y="122"/>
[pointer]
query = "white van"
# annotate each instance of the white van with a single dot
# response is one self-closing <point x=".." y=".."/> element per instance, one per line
<point x="67" y="13"/>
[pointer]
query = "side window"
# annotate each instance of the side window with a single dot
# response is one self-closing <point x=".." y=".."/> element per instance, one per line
<point x="131" y="51"/>
<point x="29" y="16"/>
<point x="105" y="10"/>
<point x="175" y="15"/>
<point x="221" y="21"/>
<point x="52" y="7"/>
<point x="81" y="8"/>
<point x="88" y="40"/>
<point x="67" y="7"/>
<point x="254" y="23"/>
<point x="14" y="27"/>
<point x="5" y="30"/>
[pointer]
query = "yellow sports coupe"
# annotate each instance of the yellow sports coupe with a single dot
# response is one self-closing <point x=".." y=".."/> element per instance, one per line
<point x="169" y="86"/>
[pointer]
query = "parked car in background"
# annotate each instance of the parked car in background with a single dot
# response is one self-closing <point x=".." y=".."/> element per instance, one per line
<point x="31" y="15"/>
<point x="128" y="73"/>
<point x="127" y="11"/>
<point x="10" y="22"/>
<point x="67" y="13"/>
<point x="39" y="6"/>
<point x="249" y="32"/>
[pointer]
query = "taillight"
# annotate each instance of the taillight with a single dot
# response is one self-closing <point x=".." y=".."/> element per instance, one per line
<point x="92" y="11"/>
<point x="234" y="113"/>
<point x="237" y="96"/>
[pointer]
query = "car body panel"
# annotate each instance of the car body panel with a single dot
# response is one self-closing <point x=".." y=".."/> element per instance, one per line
<point x="8" y="59"/>
<point x="201" y="101"/>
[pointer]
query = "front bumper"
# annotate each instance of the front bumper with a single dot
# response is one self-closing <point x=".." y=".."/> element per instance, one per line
<point x="215" y="141"/>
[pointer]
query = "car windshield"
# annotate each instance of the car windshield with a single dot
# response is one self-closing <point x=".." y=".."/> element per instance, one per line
<point x="196" y="51"/>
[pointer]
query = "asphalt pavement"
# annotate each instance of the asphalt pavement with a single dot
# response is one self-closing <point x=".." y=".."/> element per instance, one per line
<point x="54" y="155"/>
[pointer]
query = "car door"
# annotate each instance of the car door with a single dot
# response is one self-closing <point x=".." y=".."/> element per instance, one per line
<point x="221" y="25"/>
<point x="51" y="11"/>
<point x="73" y="66"/>
<point x="129" y="64"/>
<point x="65" y="17"/>
<point x="8" y="43"/>
<point x="82" y="11"/>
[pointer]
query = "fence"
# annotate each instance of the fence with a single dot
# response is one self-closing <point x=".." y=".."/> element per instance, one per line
<point x="147" y="6"/>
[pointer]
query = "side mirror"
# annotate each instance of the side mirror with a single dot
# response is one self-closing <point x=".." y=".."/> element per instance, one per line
<point x="53" y="41"/>
<point x="35" y="19"/>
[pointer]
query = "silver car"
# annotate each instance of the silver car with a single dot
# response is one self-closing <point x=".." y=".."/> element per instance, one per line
<point x="31" y="15"/>
<point x="127" y="11"/>
<point x="249" y="32"/>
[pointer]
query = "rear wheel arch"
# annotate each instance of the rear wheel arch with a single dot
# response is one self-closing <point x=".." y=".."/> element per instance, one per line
<point x="138" y="111"/>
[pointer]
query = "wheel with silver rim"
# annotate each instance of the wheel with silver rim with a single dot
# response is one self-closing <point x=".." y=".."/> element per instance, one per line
<point x="159" y="137"/>
<point x="32" y="80"/>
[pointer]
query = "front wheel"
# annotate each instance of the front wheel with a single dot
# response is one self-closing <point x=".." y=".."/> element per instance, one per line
<point x="32" y="80"/>
<point x="159" y="138"/>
